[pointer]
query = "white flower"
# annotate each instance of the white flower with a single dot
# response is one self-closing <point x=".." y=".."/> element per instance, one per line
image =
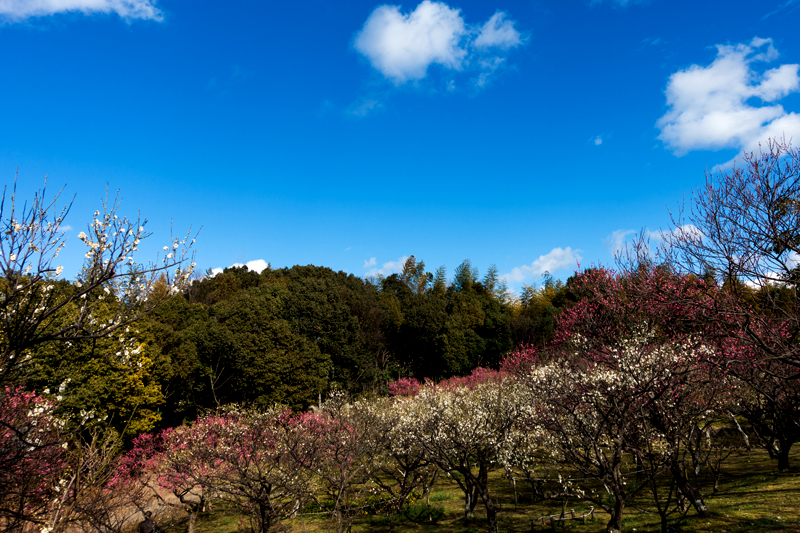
<point x="12" y="257"/>
<point x="59" y="270"/>
<point x="82" y="236"/>
<point x="165" y="248"/>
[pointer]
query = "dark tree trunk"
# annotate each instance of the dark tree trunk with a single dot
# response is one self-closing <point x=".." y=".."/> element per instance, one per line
<point x="686" y="488"/>
<point x="783" y="458"/>
<point x="615" y="522"/>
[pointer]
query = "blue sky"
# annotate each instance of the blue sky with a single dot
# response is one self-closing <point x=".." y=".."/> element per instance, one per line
<point x="530" y="135"/>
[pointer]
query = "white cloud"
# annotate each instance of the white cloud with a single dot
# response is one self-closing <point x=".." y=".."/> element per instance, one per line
<point x="129" y="9"/>
<point x="556" y="259"/>
<point x="257" y="265"/>
<point x="403" y="46"/>
<point x="713" y="107"/>
<point x="598" y="140"/>
<point x="387" y="269"/>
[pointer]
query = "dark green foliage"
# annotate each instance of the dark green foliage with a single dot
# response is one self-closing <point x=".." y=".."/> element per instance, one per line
<point x="343" y="316"/>
<point x="255" y="357"/>
<point x="223" y="286"/>
<point x="445" y="331"/>
<point x="419" y="337"/>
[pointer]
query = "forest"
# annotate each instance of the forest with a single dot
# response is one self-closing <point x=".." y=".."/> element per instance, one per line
<point x="305" y="391"/>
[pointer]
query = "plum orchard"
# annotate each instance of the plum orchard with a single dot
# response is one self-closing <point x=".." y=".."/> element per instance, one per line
<point x="625" y="405"/>
<point x="621" y="407"/>
<point x="636" y="418"/>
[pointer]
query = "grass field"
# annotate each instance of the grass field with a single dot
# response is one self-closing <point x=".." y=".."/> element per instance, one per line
<point x="753" y="497"/>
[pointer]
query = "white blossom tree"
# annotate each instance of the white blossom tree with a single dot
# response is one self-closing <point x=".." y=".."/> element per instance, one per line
<point x="36" y="307"/>
<point x="636" y="411"/>
<point x="467" y="431"/>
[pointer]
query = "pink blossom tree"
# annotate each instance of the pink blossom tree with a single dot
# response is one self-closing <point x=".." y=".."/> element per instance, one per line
<point x="260" y="460"/>
<point x="32" y="457"/>
<point x="343" y="434"/>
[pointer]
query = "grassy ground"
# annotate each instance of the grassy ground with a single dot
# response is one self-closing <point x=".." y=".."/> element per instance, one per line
<point x="753" y="497"/>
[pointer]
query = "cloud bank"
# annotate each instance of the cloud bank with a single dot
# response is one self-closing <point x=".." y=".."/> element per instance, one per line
<point x="403" y="46"/>
<point x="556" y="259"/>
<point x="17" y="10"/>
<point x="729" y="104"/>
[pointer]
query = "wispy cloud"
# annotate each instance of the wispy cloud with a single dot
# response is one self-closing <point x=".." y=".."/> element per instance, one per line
<point x="615" y="243"/>
<point x="651" y="41"/>
<point x="363" y="107"/>
<point x="790" y="5"/>
<point x="224" y="83"/>
<point x="499" y="33"/>
<point x="618" y="3"/>
<point x="556" y="259"/>
<point x="17" y="10"/>
<point x="402" y="47"/>
<point x="387" y="269"/>
<point x="712" y="107"/>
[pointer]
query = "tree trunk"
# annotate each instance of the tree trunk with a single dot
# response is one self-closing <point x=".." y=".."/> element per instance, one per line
<point x="265" y="515"/>
<point x="192" y="520"/>
<point x="615" y="522"/>
<point x="783" y="458"/>
<point x="491" y="516"/>
<point x="687" y="489"/>
<point x="469" y="505"/>
<point x="491" y="508"/>
<point x="664" y="524"/>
